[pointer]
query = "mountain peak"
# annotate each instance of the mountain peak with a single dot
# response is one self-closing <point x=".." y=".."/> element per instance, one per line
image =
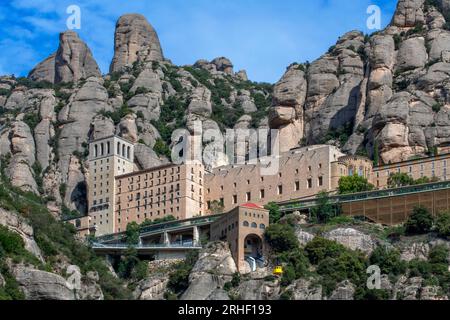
<point x="72" y="61"/>
<point x="135" y="39"/>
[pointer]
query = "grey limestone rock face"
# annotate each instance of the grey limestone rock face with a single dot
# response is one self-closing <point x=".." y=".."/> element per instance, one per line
<point x="304" y="290"/>
<point x="258" y="289"/>
<point x="18" y="224"/>
<point x="152" y="288"/>
<point x="352" y="239"/>
<point x="408" y="13"/>
<point x="412" y="54"/>
<point x="23" y="157"/>
<point x="135" y="40"/>
<point x="344" y="291"/>
<point x="72" y="62"/>
<point x="214" y="267"/>
<point x="223" y="64"/>
<point x="200" y="102"/>
<point x="41" y="285"/>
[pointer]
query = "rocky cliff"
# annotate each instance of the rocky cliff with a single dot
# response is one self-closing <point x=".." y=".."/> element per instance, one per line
<point x="383" y="95"/>
<point x="47" y="119"/>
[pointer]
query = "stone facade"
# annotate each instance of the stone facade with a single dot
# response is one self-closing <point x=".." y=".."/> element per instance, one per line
<point x="302" y="173"/>
<point x="170" y="190"/>
<point x="108" y="158"/>
<point x="243" y="228"/>
<point x="432" y="167"/>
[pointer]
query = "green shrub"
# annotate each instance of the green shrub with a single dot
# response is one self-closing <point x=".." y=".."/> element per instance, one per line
<point x="388" y="260"/>
<point x="346" y="265"/>
<point x="320" y="248"/>
<point x="234" y="283"/>
<point x="398" y="180"/>
<point x="32" y="120"/>
<point x="10" y="241"/>
<point x="442" y="225"/>
<point x="439" y="254"/>
<point x="296" y="265"/>
<point x="288" y="275"/>
<point x="281" y="237"/>
<point x="437" y="107"/>
<point x="324" y="210"/>
<point x="363" y="293"/>
<point x="179" y="278"/>
<point x="117" y="115"/>
<point x="419" y="222"/>
<point x="354" y="184"/>
<point x="161" y="148"/>
<point x="274" y="212"/>
<point x="132" y="233"/>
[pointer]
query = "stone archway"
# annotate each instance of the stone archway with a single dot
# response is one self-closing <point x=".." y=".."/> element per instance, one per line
<point x="253" y="246"/>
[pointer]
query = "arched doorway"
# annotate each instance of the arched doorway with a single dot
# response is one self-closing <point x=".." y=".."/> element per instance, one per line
<point x="253" y="246"/>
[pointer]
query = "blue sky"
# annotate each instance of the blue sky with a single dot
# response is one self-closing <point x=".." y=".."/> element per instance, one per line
<point x="261" y="36"/>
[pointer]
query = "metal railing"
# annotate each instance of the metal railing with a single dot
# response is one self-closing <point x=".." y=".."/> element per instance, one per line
<point x="124" y="246"/>
<point x="370" y="195"/>
<point x="161" y="227"/>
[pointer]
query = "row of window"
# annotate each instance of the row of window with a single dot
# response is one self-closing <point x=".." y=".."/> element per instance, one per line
<point x="104" y="149"/>
<point x="131" y="186"/>
<point x="411" y="168"/>
<point x="254" y="225"/>
<point x="262" y="192"/>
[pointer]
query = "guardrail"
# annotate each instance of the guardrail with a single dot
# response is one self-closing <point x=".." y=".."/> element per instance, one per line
<point x="370" y="195"/>
<point x="198" y="221"/>
<point x="150" y="246"/>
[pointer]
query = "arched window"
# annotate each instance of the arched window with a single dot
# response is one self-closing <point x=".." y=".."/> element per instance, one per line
<point x="254" y="225"/>
<point x="123" y="150"/>
<point x="262" y="226"/>
<point x="361" y="171"/>
<point x="128" y="152"/>
<point x="118" y="148"/>
<point x="96" y="151"/>
<point x="108" y="147"/>
<point x="102" y="147"/>
<point x="246" y="224"/>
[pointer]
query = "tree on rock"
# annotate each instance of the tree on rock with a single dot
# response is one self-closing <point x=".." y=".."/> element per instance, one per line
<point x="354" y="184"/>
<point x="420" y="221"/>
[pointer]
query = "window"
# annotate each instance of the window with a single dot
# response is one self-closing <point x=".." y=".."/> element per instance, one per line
<point x="297" y="185"/>
<point x="254" y="225"/>
<point x="262" y="193"/>
<point x="262" y="226"/>
<point x="309" y="183"/>
<point x="320" y="181"/>
<point x="246" y="224"/>
<point x="280" y="189"/>
<point x="235" y="199"/>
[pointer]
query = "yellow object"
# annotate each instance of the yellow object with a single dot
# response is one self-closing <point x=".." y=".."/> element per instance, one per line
<point x="278" y="271"/>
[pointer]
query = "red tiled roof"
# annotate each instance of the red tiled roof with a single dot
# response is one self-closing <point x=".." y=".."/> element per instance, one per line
<point x="251" y="205"/>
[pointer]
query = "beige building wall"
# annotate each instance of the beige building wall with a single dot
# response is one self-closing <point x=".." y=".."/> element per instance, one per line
<point x="438" y="167"/>
<point x="108" y="158"/>
<point x="243" y="228"/>
<point x="170" y="190"/>
<point x="303" y="172"/>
